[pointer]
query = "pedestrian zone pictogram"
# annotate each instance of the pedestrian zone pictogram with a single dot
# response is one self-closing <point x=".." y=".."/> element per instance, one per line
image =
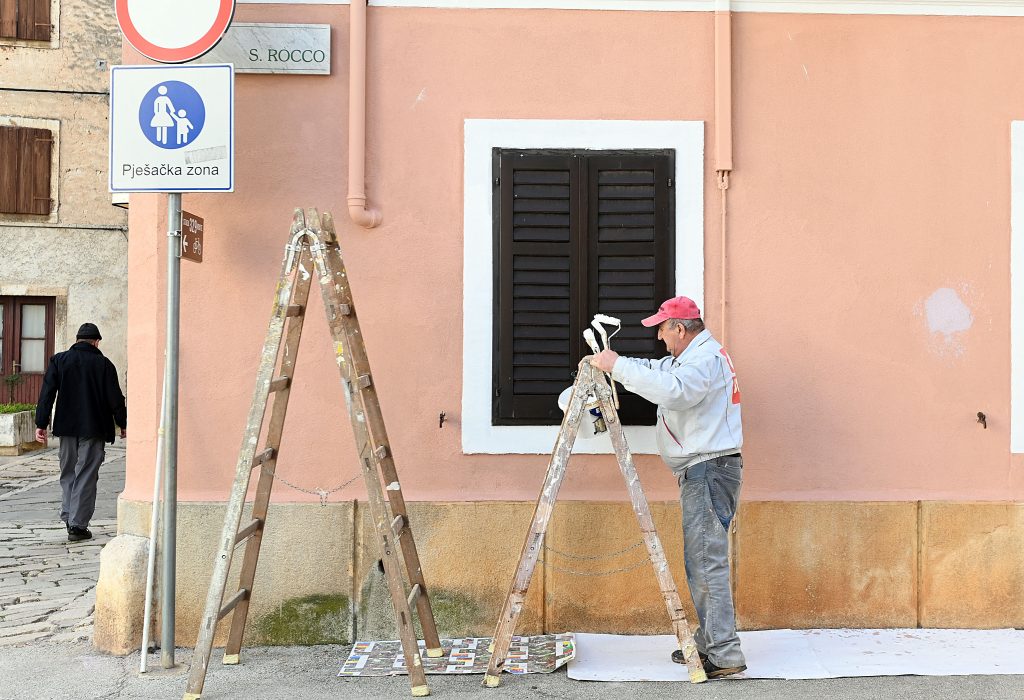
<point x="172" y="114"/>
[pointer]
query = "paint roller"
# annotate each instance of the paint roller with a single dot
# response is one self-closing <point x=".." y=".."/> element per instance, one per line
<point x="599" y="323"/>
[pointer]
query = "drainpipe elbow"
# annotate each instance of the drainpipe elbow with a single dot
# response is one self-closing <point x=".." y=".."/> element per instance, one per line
<point x="364" y="216"/>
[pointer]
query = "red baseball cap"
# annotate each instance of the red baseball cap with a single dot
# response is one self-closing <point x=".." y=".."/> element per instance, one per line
<point x="677" y="307"/>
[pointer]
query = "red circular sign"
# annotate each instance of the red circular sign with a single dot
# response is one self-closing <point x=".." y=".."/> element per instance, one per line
<point x="169" y="31"/>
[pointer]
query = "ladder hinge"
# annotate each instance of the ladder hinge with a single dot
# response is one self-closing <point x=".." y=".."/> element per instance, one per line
<point x="364" y="381"/>
<point x="670" y="182"/>
<point x="497" y="181"/>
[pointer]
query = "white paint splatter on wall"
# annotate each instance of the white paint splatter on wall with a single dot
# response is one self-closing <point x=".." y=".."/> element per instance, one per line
<point x="948" y="317"/>
<point x="947" y="313"/>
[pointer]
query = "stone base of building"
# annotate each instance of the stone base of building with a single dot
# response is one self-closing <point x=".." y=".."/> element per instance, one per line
<point x="796" y="565"/>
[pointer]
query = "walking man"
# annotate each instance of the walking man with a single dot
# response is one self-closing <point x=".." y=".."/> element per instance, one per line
<point x="699" y="437"/>
<point x="89" y="403"/>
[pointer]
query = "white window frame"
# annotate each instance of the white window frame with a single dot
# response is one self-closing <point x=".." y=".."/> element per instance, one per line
<point x="481" y="136"/>
<point x="1016" y="286"/>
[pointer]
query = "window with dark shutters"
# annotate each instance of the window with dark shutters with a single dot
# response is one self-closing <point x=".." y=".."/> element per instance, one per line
<point x="576" y="233"/>
<point x="25" y="155"/>
<point x="25" y="19"/>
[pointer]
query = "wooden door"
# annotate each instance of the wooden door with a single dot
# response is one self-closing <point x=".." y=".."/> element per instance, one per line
<point x="26" y="345"/>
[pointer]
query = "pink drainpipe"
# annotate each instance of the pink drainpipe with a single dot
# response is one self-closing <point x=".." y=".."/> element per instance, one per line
<point x="723" y="138"/>
<point x="367" y="217"/>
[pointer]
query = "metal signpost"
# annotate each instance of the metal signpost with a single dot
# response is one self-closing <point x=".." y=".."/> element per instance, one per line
<point x="172" y="130"/>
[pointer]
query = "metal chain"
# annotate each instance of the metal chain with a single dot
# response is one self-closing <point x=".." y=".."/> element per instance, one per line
<point x="321" y="493"/>
<point x="609" y="572"/>
<point x="570" y="555"/>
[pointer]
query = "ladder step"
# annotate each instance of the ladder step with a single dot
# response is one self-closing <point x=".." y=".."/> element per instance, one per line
<point x="398" y="525"/>
<point x="280" y="383"/>
<point x="344" y="309"/>
<point x="295" y="310"/>
<point x="365" y="381"/>
<point x="237" y="598"/>
<point x="414" y="594"/>
<point x="263" y="457"/>
<point x="244" y="533"/>
<point x="381" y="452"/>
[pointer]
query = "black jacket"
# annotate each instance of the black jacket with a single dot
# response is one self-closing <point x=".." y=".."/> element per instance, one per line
<point x="89" y="398"/>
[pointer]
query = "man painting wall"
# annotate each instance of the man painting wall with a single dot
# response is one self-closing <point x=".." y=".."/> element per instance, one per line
<point x="699" y="436"/>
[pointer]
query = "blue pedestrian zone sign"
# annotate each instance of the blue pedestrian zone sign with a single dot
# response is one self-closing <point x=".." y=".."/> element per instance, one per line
<point x="172" y="114"/>
<point x="172" y="128"/>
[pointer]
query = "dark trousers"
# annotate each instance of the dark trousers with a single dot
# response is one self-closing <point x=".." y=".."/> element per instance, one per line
<point x="80" y="460"/>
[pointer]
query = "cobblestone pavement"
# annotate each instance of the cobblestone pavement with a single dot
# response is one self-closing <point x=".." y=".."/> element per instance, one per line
<point x="47" y="584"/>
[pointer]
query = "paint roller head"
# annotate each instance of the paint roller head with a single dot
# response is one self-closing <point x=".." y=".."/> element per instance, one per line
<point x="588" y="335"/>
<point x="599" y="322"/>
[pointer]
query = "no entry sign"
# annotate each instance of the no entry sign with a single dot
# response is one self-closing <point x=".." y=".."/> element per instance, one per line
<point x="173" y="31"/>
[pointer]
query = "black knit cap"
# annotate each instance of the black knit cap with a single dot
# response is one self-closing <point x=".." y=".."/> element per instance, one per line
<point x="88" y="331"/>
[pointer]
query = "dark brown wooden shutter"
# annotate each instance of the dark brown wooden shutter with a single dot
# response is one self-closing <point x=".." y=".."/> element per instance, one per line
<point x="630" y="254"/>
<point x="538" y="304"/>
<point x="9" y="154"/>
<point x="577" y="233"/>
<point x="9" y="19"/>
<point x="38" y="148"/>
<point x="34" y="19"/>
<point x="25" y="155"/>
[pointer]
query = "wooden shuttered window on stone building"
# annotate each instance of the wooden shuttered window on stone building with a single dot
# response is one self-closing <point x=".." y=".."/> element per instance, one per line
<point x="576" y="233"/>
<point x="25" y="155"/>
<point x="25" y="19"/>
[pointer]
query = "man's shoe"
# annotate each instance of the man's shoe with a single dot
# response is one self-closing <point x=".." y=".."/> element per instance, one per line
<point x="77" y="534"/>
<point x="677" y="657"/>
<point x="713" y="671"/>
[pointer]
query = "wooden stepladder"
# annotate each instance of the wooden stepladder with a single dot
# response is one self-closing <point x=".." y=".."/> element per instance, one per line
<point x="590" y="385"/>
<point x="313" y="254"/>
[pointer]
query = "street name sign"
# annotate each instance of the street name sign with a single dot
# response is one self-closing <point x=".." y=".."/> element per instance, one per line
<point x="172" y="128"/>
<point x="173" y="31"/>
<point x="298" y="49"/>
<point x="191" y="237"/>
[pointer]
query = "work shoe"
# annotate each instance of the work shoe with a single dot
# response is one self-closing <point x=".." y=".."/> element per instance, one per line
<point x="77" y="534"/>
<point x="713" y="671"/>
<point x="677" y="657"/>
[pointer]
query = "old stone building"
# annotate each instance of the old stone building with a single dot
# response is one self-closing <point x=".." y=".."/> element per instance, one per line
<point x="63" y="247"/>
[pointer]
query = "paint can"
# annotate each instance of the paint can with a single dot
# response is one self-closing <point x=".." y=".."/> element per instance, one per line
<point x="592" y="424"/>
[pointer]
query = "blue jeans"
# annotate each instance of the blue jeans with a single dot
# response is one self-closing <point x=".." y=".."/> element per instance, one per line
<point x="709" y="494"/>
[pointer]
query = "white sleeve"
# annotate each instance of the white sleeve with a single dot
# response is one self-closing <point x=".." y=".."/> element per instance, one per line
<point x="676" y="389"/>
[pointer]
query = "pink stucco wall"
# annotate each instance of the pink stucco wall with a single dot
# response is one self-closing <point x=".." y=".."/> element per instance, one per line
<point x="871" y="171"/>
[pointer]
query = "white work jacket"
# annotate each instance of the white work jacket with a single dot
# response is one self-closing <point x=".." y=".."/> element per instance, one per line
<point x="698" y="400"/>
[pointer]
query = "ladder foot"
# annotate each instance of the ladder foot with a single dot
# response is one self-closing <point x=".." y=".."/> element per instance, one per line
<point x="491" y="681"/>
<point x="435" y="653"/>
<point x="697" y="675"/>
<point x="231" y="659"/>
<point x="420" y="691"/>
<point x="490" y="648"/>
<point x="190" y="696"/>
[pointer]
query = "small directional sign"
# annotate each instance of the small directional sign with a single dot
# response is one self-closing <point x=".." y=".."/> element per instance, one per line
<point x="191" y="237"/>
<point x="172" y="128"/>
